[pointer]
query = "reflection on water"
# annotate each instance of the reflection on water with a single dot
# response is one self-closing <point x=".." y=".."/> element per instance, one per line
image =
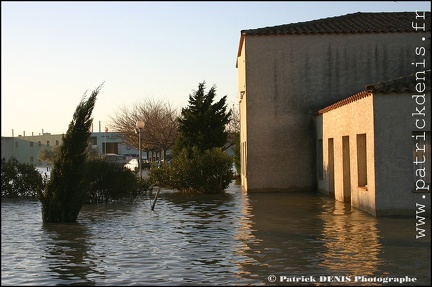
<point x="351" y="243"/>
<point x="228" y="239"/>
<point x="68" y="255"/>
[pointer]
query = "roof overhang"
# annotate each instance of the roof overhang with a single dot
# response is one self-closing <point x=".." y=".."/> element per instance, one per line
<point x="242" y="37"/>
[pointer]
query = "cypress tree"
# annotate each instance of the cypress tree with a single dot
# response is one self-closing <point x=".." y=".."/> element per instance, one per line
<point x="64" y="193"/>
<point x="202" y="123"/>
<point x="199" y="163"/>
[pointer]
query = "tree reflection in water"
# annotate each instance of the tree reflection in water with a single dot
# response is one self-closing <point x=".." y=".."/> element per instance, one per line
<point x="69" y="252"/>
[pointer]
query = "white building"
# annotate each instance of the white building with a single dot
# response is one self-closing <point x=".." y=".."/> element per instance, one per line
<point x="374" y="148"/>
<point x="27" y="148"/>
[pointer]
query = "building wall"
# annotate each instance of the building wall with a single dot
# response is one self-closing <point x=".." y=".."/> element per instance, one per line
<point x="387" y="121"/>
<point x="289" y="77"/>
<point x="243" y="117"/>
<point x="7" y="147"/>
<point x="394" y="124"/>
<point x="347" y="123"/>
<point x="26" y="148"/>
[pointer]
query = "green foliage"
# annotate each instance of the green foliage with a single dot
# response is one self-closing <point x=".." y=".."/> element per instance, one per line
<point x="103" y="181"/>
<point x="107" y="181"/>
<point x="202" y="123"/>
<point x="199" y="164"/>
<point x="64" y="194"/>
<point x="19" y="179"/>
<point x="195" y="171"/>
<point x="161" y="175"/>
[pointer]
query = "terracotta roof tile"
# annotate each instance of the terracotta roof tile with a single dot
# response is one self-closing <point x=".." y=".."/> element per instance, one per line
<point x="399" y="85"/>
<point x="402" y="84"/>
<point x="345" y="101"/>
<point x="360" y="22"/>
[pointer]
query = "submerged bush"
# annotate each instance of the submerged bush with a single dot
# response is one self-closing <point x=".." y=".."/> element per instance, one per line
<point x="202" y="172"/>
<point x="19" y="179"/>
<point x="107" y="181"/>
<point x="103" y="181"/>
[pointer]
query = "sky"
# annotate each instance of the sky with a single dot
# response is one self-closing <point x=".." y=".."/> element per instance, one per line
<point x="54" y="53"/>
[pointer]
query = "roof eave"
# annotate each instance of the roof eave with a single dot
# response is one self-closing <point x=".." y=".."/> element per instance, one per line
<point x="240" y="48"/>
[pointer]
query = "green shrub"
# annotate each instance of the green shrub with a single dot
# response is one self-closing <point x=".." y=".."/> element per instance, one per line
<point x="160" y="175"/>
<point x="103" y="181"/>
<point x="19" y="179"/>
<point x="202" y="172"/>
<point x="107" y="181"/>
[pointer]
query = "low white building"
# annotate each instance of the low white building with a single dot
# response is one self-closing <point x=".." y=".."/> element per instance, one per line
<point x="27" y="148"/>
<point x="373" y="148"/>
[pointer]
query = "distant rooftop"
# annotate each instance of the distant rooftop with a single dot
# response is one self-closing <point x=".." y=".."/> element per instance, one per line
<point x="360" y="22"/>
<point x="399" y="85"/>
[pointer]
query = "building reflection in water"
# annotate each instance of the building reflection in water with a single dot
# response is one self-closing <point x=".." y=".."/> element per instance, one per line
<point x="302" y="234"/>
<point x="246" y="240"/>
<point x="350" y="239"/>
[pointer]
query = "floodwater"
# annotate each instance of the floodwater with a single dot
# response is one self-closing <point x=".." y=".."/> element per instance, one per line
<point x="227" y="239"/>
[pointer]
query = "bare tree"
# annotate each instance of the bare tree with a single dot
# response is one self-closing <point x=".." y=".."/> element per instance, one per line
<point x="160" y="129"/>
<point x="124" y="123"/>
<point x="48" y="154"/>
<point x="233" y="127"/>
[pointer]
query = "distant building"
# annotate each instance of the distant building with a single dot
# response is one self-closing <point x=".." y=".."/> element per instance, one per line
<point x="288" y="72"/>
<point x="27" y="148"/>
<point x="374" y="148"/>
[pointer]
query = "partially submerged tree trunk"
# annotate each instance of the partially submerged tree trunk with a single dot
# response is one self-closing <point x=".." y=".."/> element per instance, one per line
<point x="64" y="194"/>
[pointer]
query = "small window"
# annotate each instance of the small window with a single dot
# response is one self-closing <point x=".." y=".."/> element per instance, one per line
<point x="361" y="160"/>
<point x="48" y="143"/>
<point x="39" y="143"/>
<point x="422" y="160"/>
<point x="320" y="159"/>
<point x="57" y="143"/>
<point x="31" y="144"/>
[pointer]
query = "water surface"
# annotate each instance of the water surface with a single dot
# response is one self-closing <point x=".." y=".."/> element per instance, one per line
<point x="228" y="239"/>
